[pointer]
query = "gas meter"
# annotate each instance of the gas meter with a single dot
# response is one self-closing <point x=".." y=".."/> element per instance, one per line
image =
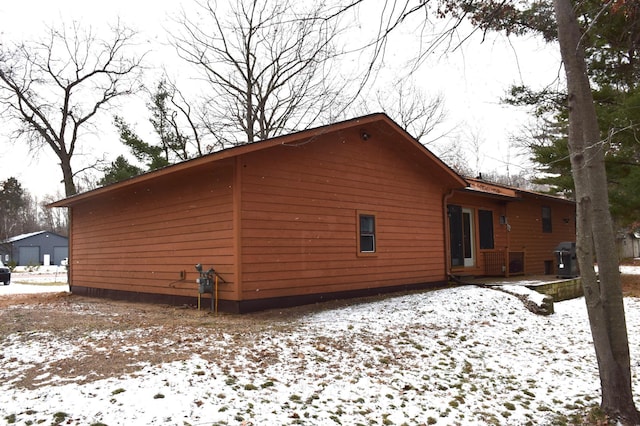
<point x="208" y="283"/>
<point x="205" y="281"/>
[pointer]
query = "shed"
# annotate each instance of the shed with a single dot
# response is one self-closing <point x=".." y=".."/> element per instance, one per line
<point x="628" y="244"/>
<point x="36" y="248"/>
<point x="353" y="208"/>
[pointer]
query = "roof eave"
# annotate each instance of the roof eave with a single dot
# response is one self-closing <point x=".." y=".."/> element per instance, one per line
<point x="455" y="179"/>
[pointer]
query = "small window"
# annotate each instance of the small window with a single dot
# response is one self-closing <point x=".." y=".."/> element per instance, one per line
<point x="367" y="233"/>
<point x="546" y="219"/>
<point x="485" y="217"/>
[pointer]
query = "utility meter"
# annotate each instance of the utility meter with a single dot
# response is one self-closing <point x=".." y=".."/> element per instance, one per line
<point x="205" y="281"/>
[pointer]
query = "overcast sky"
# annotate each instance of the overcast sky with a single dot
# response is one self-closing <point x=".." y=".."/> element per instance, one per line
<point x="472" y="80"/>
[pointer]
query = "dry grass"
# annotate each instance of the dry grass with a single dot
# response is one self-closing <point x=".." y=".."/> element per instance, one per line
<point x="102" y="328"/>
<point x="164" y="333"/>
<point x="631" y="285"/>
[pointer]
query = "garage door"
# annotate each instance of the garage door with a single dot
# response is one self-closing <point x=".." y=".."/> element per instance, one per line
<point x="29" y="256"/>
<point x="60" y="253"/>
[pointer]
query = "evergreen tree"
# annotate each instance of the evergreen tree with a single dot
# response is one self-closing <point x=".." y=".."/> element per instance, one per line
<point x="19" y="212"/>
<point x="611" y="36"/>
<point x="119" y="170"/>
<point x="12" y="202"/>
<point x="153" y="156"/>
<point x="172" y="145"/>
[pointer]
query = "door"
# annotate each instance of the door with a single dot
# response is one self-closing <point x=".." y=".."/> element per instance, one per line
<point x="461" y="231"/>
<point x="467" y="235"/>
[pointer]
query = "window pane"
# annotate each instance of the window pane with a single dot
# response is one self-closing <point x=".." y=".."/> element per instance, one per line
<point x="366" y="224"/>
<point x="367" y="243"/>
<point x="367" y="233"/>
<point x="486" y="229"/>
<point x="455" y="234"/>
<point x="466" y="233"/>
<point x="546" y="219"/>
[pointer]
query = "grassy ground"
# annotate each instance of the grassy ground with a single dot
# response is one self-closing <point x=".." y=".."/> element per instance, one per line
<point x="631" y="283"/>
<point x="34" y="318"/>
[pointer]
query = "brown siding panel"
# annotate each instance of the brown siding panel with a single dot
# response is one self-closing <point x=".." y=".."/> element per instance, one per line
<point x="299" y="219"/>
<point x="478" y="202"/>
<point x="524" y="215"/>
<point x="141" y="239"/>
<point x="526" y="230"/>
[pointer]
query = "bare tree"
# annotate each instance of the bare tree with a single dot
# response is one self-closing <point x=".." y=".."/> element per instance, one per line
<point x="192" y="120"/>
<point x="54" y="220"/>
<point x="409" y="106"/>
<point x="53" y="89"/>
<point x="475" y="141"/>
<point x="595" y="233"/>
<point x="267" y="65"/>
<point x="181" y="123"/>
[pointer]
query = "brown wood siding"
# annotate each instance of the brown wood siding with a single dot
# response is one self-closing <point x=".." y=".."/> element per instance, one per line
<point x="478" y="202"/>
<point x="299" y="218"/>
<point x="141" y="238"/>
<point x="525" y="221"/>
<point x="526" y="229"/>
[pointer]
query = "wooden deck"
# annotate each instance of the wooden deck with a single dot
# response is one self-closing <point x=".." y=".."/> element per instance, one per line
<point x="559" y="288"/>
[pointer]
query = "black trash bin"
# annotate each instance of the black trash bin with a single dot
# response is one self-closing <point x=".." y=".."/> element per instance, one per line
<point x="566" y="261"/>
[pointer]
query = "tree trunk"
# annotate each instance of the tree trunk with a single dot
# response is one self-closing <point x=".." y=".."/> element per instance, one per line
<point x="67" y="174"/>
<point x="595" y="228"/>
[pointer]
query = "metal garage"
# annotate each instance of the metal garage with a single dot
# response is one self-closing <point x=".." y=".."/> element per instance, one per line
<point x="34" y="249"/>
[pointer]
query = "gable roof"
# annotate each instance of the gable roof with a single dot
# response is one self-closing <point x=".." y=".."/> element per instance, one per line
<point x="22" y="236"/>
<point x="370" y="126"/>
<point x="29" y="235"/>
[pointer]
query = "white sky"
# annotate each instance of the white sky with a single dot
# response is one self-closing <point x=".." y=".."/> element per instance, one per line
<point x="472" y="81"/>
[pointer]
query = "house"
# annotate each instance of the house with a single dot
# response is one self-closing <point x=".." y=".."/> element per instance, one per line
<point x="353" y="208"/>
<point x="36" y="248"/>
<point x="500" y="230"/>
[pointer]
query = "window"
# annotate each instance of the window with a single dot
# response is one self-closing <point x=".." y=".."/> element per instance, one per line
<point x="467" y="228"/>
<point x="455" y="234"/>
<point x="485" y="217"/>
<point x="546" y="219"/>
<point x="367" y="233"/>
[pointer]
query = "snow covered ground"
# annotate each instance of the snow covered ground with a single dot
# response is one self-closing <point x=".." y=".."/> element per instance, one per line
<point x="48" y="279"/>
<point x="464" y="355"/>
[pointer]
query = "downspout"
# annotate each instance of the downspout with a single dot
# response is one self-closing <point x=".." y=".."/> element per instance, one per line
<point x="70" y="245"/>
<point x="447" y="235"/>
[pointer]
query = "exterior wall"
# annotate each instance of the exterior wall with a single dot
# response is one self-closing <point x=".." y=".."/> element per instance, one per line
<point x="148" y="237"/>
<point x="476" y="202"/>
<point x="524" y="232"/>
<point x="299" y="217"/>
<point x="525" y="218"/>
<point x="628" y="246"/>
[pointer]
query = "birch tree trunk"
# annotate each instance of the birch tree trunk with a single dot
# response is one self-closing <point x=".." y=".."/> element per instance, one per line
<point x="595" y="233"/>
